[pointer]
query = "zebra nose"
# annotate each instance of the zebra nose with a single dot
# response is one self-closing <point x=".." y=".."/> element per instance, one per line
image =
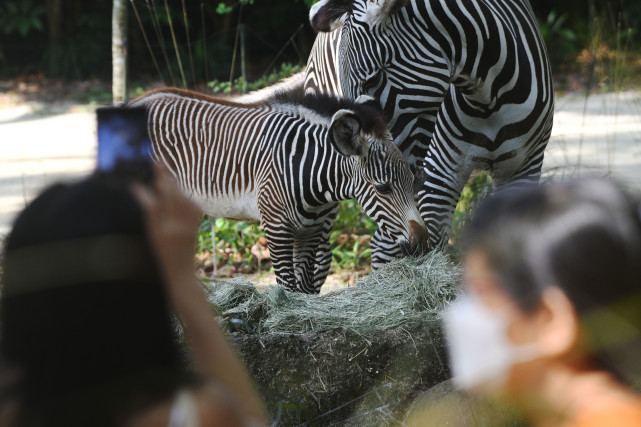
<point x="418" y="243"/>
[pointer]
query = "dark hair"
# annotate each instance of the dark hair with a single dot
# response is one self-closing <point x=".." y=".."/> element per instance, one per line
<point x="83" y="313"/>
<point x="583" y="236"/>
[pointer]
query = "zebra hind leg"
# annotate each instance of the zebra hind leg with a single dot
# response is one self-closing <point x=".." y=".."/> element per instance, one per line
<point x="324" y="252"/>
<point x="526" y="177"/>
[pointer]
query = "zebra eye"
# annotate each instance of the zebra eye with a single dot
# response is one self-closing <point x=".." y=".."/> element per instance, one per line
<point x="384" y="188"/>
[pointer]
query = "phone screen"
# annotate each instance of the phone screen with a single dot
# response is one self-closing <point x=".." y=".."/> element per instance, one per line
<point x="124" y="147"/>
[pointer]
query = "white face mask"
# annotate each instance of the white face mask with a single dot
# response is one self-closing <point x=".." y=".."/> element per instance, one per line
<point x="480" y="352"/>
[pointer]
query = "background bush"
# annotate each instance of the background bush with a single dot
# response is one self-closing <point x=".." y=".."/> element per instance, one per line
<point x="71" y="38"/>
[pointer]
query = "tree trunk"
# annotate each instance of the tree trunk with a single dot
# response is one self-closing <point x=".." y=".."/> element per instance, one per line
<point x="119" y="51"/>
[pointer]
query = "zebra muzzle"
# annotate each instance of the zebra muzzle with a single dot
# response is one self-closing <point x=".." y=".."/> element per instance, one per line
<point x="418" y="243"/>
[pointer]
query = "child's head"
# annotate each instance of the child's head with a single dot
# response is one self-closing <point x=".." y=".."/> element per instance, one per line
<point x="83" y="312"/>
<point x="559" y="269"/>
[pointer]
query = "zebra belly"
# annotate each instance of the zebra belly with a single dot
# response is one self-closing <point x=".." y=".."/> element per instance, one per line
<point x="501" y="163"/>
<point x="243" y="206"/>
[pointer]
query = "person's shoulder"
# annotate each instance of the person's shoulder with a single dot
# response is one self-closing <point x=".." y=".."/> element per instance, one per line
<point x="208" y="405"/>
<point x="8" y="413"/>
<point x="218" y="408"/>
<point x="620" y="414"/>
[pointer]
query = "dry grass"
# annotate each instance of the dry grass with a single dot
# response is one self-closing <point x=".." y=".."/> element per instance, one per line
<point x="406" y="290"/>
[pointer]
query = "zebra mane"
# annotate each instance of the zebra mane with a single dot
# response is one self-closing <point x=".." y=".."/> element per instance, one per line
<point x="370" y="113"/>
<point x="324" y="13"/>
<point x="295" y="101"/>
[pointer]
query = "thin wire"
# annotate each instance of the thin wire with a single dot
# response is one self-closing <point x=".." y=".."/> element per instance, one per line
<point x="300" y="57"/>
<point x="173" y="37"/>
<point x="154" y="19"/>
<point x="144" y="34"/>
<point x="271" y="46"/>
<point x="233" y="58"/>
<point x="269" y="67"/>
<point x="196" y="41"/>
<point x="202" y="15"/>
<point x="261" y="39"/>
<point x="191" y="58"/>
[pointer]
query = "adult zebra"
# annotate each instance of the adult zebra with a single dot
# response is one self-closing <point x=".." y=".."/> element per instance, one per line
<point x="466" y="85"/>
<point x="286" y="161"/>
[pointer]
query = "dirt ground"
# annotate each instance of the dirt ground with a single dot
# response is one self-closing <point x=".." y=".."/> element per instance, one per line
<point x="335" y="280"/>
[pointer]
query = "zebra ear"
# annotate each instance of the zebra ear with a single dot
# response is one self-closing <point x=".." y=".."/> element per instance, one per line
<point x="370" y="102"/>
<point x="344" y="130"/>
<point x="366" y="99"/>
<point x="328" y="15"/>
<point x="379" y="12"/>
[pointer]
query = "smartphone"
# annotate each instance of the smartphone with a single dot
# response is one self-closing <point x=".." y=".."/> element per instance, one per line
<point x="124" y="147"/>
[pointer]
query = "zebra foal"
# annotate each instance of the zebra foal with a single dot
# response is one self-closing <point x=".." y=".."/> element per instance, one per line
<point x="287" y="161"/>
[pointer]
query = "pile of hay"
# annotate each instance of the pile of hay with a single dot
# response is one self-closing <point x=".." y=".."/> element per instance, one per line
<point x="356" y="356"/>
<point x="406" y="290"/>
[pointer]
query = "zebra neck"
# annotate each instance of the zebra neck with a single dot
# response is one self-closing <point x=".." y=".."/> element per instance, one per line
<point x="338" y="181"/>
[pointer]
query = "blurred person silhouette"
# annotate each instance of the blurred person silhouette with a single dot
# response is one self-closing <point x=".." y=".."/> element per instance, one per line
<point x="550" y="319"/>
<point x="91" y="272"/>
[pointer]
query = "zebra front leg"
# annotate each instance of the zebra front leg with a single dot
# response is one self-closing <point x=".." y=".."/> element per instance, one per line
<point x="384" y="249"/>
<point x="324" y="252"/>
<point x="446" y="175"/>
<point x="280" y="242"/>
<point x="305" y="250"/>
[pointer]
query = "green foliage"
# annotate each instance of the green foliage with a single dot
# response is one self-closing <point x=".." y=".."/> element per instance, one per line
<point x="21" y="16"/>
<point x="351" y="254"/>
<point x="223" y="8"/>
<point x="234" y="241"/>
<point x="68" y="60"/>
<point x="240" y="86"/>
<point x="350" y="237"/>
<point x="553" y="26"/>
<point x="611" y="60"/>
<point x="559" y="39"/>
<point x="476" y="189"/>
<point x="76" y="52"/>
<point x="631" y="16"/>
<point x="351" y="219"/>
<point x="310" y="3"/>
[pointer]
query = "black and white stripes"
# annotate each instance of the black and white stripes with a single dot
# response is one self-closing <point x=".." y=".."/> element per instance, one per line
<point x="287" y="161"/>
<point x="466" y="85"/>
<point x="321" y="72"/>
